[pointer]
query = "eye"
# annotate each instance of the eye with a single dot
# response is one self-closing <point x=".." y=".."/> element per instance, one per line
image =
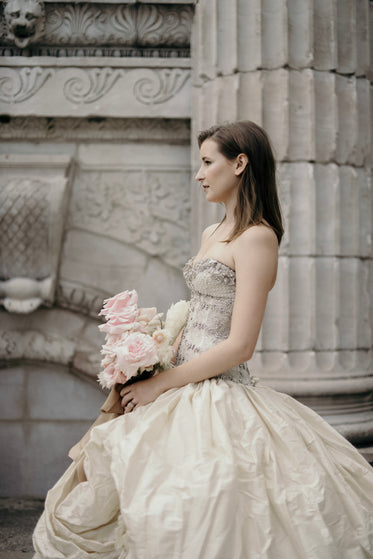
<point x="15" y="14"/>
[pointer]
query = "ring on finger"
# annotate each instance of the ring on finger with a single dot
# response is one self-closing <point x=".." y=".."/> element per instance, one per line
<point x="130" y="405"/>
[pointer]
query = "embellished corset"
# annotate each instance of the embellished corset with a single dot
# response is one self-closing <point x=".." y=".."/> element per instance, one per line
<point x="213" y="288"/>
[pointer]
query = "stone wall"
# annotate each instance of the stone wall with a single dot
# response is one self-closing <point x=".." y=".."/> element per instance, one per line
<point x="98" y="105"/>
<point x="94" y="199"/>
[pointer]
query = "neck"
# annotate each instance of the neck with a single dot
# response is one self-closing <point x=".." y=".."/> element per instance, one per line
<point x="229" y="212"/>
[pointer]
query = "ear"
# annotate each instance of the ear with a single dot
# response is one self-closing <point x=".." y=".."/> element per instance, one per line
<point x="241" y="163"/>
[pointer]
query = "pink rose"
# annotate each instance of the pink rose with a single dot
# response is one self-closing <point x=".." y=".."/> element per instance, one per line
<point x="110" y="376"/>
<point x="121" y="304"/>
<point x="113" y="339"/>
<point x="138" y="351"/>
<point x="120" y="324"/>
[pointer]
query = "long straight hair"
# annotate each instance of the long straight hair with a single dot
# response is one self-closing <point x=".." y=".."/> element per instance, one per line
<point x="257" y="194"/>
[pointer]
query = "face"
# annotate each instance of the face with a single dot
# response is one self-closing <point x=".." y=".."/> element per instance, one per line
<point x="218" y="175"/>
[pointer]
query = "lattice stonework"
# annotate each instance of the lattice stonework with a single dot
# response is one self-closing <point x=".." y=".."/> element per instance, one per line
<point x="33" y="196"/>
<point x="25" y="245"/>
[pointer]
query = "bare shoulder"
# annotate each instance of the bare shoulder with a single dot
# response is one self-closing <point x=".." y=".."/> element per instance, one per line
<point x="257" y="249"/>
<point x="209" y="230"/>
<point x="259" y="236"/>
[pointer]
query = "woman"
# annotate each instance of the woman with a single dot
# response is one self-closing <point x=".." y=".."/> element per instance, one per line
<point x="204" y="463"/>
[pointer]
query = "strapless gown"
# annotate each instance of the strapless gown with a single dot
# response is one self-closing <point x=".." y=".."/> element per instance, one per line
<point x="222" y="469"/>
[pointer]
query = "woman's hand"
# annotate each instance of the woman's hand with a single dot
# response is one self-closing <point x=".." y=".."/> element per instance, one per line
<point x="140" y="393"/>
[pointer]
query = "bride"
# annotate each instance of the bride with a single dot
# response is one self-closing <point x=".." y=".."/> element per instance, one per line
<point x="205" y="463"/>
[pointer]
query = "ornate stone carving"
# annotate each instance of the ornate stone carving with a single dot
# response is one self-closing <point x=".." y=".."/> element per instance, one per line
<point x="160" y="85"/>
<point x="149" y="210"/>
<point x="17" y="86"/>
<point x="32" y="211"/>
<point x="141" y="25"/>
<point x="124" y="90"/>
<point x="113" y="25"/>
<point x="112" y="129"/>
<point x="87" y="86"/>
<point x="80" y="298"/>
<point x="24" y="21"/>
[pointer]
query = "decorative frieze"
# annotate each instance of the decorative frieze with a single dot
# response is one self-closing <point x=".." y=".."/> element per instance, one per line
<point x="17" y="86"/>
<point x="176" y="131"/>
<point x="106" y="89"/>
<point x="81" y="26"/>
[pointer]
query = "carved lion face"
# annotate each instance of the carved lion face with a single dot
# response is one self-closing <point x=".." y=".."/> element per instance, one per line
<point x="24" y="20"/>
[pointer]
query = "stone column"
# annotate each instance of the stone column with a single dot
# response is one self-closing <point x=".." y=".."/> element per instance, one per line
<point x="301" y="70"/>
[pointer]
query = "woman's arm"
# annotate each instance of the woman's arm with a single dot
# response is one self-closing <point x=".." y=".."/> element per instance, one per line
<point x="255" y="256"/>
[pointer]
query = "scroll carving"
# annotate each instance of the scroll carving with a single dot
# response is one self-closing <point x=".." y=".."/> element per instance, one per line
<point x="17" y="86"/>
<point x="90" y="85"/>
<point x="160" y="85"/>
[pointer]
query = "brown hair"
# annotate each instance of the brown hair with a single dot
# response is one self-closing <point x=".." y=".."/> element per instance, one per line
<point x="257" y="195"/>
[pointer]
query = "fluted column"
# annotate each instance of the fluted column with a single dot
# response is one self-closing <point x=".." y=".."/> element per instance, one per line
<point x="302" y="70"/>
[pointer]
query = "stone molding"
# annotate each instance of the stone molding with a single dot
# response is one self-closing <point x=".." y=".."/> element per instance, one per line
<point x="54" y="336"/>
<point x="33" y="204"/>
<point x="81" y="298"/>
<point x="122" y="90"/>
<point x="102" y="129"/>
<point x="68" y="25"/>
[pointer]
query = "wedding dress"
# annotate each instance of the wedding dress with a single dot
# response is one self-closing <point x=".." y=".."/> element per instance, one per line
<point x="221" y="469"/>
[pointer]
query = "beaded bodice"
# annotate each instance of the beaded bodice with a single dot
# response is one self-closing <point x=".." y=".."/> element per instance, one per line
<point x="213" y="287"/>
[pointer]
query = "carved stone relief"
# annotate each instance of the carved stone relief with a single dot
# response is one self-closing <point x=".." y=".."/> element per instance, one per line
<point x="24" y="21"/>
<point x="18" y="85"/>
<point x="124" y="91"/>
<point x="148" y="209"/>
<point x="87" y="25"/>
<point x="32" y="212"/>
<point x="175" y="131"/>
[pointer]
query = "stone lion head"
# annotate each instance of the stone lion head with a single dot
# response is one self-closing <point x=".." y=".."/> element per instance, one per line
<point x="24" y="20"/>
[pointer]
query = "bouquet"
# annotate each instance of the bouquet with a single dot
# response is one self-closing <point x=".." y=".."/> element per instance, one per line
<point x="136" y="338"/>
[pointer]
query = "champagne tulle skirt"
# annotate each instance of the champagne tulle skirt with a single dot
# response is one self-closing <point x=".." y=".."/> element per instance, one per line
<point x="214" y="470"/>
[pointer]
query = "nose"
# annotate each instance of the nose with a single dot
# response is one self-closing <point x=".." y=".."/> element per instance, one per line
<point x="199" y="176"/>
